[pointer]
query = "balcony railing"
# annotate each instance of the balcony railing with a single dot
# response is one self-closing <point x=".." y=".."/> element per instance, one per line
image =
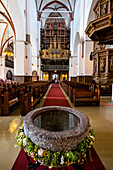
<point x="55" y="67"/>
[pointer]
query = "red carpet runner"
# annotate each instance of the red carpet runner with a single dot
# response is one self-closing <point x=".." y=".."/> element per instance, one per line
<point x="56" y="97"/>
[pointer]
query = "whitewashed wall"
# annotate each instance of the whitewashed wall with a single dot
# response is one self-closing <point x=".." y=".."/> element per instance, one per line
<point x="82" y="16"/>
<point x="22" y="50"/>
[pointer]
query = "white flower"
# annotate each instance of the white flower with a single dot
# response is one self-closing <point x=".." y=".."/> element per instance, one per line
<point x="24" y="141"/>
<point x="62" y="160"/>
<point x="50" y="167"/>
<point x="21" y="128"/>
<point x="19" y="140"/>
<point x="21" y="134"/>
<point x="40" y="152"/>
<point x="67" y="154"/>
<point x="92" y="137"/>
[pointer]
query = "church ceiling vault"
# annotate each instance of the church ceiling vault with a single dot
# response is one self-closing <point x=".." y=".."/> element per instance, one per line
<point x="47" y="7"/>
<point x="7" y="30"/>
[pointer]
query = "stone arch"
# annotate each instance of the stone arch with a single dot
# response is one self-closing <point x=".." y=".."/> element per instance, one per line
<point x="17" y="18"/>
<point x="9" y="75"/>
<point x="91" y="15"/>
<point x="8" y="31"/>
<point x="75" y="57"/>
<point x="76" y="42"/>
<point x="34" y="73"/>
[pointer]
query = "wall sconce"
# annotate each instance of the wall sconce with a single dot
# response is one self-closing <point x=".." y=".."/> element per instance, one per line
<point x="32" y="64"/>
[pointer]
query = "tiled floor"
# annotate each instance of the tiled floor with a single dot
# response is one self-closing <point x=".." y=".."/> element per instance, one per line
<point x="101" y="119"/>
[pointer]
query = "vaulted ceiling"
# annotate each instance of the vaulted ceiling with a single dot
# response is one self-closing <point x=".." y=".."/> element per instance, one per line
<point x="59" y="8"/>
<point x="7" y="30"/>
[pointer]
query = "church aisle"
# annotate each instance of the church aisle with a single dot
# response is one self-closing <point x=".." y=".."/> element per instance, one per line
<point x="55" y="97"/>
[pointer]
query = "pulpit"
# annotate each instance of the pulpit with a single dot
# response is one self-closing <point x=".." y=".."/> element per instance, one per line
<point x="101" y="30"/>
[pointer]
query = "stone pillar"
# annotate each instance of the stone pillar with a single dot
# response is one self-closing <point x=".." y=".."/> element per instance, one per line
<point x="80" y="60"/>
<point x="19" y="61"/>
<point x="22" y="58"/>
<point x="39" y="67"/>
<point x="88" y="48"/>
<point x="28" y="57"/>
<point x="70" y="68"/>
<point x="2" y="66"/>
<point x="75" y="64"/>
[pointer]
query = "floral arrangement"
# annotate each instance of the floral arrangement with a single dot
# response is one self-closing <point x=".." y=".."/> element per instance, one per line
<point x="55" y="159"/>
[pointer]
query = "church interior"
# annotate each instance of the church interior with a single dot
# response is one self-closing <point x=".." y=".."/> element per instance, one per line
<point x="56" y="53"/>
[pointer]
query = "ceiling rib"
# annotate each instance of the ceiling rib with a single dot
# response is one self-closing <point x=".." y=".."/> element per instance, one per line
<point x="55" y="17"/>
<point x="40" y="4"/>
<point x="55" y="11"/>
<point x="55" y="1"/>
<point x="70" y="5"/>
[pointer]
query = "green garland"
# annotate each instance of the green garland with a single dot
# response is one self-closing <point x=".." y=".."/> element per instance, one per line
<point x="55" y="159"/>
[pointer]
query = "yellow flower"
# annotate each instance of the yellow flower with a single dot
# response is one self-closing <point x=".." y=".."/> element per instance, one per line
<point x="34" y="159"/>
<point x="35" y="149"/>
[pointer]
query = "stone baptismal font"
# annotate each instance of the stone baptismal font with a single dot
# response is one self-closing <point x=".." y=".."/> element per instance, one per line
<point x="58" y="136"/>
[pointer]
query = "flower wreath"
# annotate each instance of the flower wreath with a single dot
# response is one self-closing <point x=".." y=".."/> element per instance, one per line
<point x="55" y="159"/>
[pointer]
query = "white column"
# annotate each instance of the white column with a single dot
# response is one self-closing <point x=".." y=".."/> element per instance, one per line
<point x="2" y="66"/>
<point x="88" y="48"/>
<point x="39" y="68"/>
<point x="75" y="63"/>
<point x="28" y="58"/>
<point x="70" y="68"/>
<point x="80" y="64"/>
<point x="19" y="58"/>
<point x="22" y="58"/>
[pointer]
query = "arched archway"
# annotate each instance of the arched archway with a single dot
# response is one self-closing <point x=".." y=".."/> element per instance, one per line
<point x="34" y="73"/>
<point x="76" y="42"/>
<point x="89" y="44"/>
<point x="91" y="15"/>
<point x="9" y="75"/>
<point x="7" y="27"/>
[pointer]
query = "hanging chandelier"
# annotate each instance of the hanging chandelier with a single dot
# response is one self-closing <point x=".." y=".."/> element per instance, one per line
<point x="9" y="50"/>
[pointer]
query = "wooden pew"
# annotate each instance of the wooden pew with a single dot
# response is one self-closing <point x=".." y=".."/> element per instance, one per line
<point x="8" y="102"/>
<point x="70" y="93"/>
<point x="81" y="93"/>
<point x="86" y="97"/>
<point x="11" y="95"/>
<point x="29" y="100"/>
<point x="25" y="103"/>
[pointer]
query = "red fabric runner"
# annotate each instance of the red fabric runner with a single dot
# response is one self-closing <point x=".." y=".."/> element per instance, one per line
<point x="56" y="97"/>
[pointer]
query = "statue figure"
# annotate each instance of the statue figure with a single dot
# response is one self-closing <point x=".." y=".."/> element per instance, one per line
<point x="102" y="64"/>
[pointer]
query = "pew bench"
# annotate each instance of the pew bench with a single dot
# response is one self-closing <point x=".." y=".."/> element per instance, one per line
<point x="86" y="97"/>
<point x="8" y="102"/>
